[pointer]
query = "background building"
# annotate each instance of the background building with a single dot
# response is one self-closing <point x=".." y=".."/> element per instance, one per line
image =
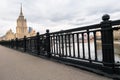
<point x="9" y="35"/>
<point x="21" y="29"/>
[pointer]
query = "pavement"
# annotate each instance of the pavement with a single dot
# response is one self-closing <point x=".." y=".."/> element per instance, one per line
<point x="15" y="65"/>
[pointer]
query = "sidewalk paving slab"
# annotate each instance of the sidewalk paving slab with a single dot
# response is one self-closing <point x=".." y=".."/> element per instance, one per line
<point x="15" y="65"/>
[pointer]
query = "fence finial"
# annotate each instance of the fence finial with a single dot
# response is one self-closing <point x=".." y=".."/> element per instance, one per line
<point x="38" y="33"/>
<point x="47" y="30"/>
<point x="105" y="17"/>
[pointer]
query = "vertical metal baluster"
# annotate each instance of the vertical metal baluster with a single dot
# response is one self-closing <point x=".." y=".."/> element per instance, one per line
<point x="62" y="45"/>
<point x="59" y="47"/>
<point x="78" y="47"/>
<point x="29" y="46"/>
<point x="51" y="44"/>
<point x="31" y="43"/>
<point x="35" y="44"/>
<point x="57" y="44"/>
<point x="24" y="43"/>
<point x="69" y="45"/>
<point x="66" y="45"/>
<point x="43" y="44"/>
<point x="73" y="45"/>
<point x="83" y="46"/>
<point x="88" y="39"/>
<point x="95" y="45"/>
<point x="54" y="43"/>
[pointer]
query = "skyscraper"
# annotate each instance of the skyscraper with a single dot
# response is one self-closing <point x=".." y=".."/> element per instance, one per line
<point x="21" y="29"/>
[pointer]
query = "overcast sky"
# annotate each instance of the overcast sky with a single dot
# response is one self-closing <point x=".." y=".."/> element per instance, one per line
<point x="56" y="14"/>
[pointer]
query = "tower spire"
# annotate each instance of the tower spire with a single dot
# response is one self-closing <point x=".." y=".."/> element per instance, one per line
<point x="21" y="13"/>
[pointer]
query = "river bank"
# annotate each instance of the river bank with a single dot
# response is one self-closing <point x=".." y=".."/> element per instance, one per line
<point x="116" y="46"/>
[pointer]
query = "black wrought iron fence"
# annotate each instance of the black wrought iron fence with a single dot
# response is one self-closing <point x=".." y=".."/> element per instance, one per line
<point x="78" y="46"/>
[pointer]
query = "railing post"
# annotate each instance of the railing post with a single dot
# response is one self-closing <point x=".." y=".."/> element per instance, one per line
<point x="16" y="43"/>
<point x="48" y="43"/>
<point x="24" y="43"/>
<point x="38" y="43"/>
<point x="9" y="43"/>
<point x="107" y="42"/>
<point x="12" y="43"/>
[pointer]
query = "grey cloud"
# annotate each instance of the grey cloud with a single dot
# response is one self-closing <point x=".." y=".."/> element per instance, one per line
<point x="57" y="12"/>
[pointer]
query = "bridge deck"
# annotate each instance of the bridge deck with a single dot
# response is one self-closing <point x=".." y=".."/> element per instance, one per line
<point x="15" y="65"/>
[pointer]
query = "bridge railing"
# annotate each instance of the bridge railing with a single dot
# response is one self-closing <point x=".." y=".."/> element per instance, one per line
<point x="78" y="46"/>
